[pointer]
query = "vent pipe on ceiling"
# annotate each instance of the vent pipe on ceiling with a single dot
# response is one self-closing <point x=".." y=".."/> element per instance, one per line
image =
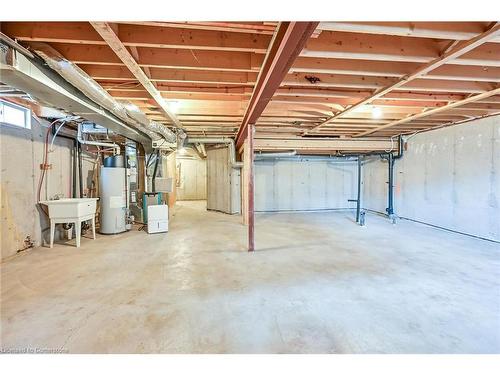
<point x="220" y="140"/>
<point x="125" y="111"/>
<point x="83" y="141"/>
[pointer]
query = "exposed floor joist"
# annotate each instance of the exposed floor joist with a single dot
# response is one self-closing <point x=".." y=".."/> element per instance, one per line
<point x="434" y="30"/>
<point x="108" y="34"/>
<point x="286" y="45"/>
<point x="432" y="111"/>
<point x="210" y="69"/>
<point x="457" y="51"/>
<point x="325" y="145"/>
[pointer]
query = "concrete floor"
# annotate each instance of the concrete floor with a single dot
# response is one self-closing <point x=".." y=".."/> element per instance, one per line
<point x="317" y="284"/>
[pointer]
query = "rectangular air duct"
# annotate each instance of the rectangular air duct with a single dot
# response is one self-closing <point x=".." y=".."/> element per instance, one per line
<point x="37" y="80"/>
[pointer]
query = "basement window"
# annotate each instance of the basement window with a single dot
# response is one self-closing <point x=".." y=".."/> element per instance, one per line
<point x="13" y="114"/>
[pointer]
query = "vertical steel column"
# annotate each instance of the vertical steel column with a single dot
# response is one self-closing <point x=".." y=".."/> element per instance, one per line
<point x="390" y="208"/>
<point x="358" y="201"/>
<point x="251" y="215"/>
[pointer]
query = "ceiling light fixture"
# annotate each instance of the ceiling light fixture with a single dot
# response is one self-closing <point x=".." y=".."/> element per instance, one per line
<point x="174" y="106"/>
<point x="376" y="112"/>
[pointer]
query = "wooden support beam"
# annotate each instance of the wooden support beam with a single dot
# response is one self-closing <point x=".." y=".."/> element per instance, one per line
<point x="458" y="50"/>
<point x="286" y="45"/>
<point x="182" y="92"/>
<point x="135" y="55"/>
<point x="340" y="45"/>
<point x="332" y="93"/>
<point x="328" y="145"/>
<point x="434" y="30"/>
<point x="251" y="193"/>
<point x="235" y="27"/>
<point x="106" y="31"/>
<point x="379" y="83"/>
<point x="142" y="94"/>
<point x="434" y="111"/>
<point x="144" y="36"/>
<point x="121" y="73"/>
<point x="164" y="58"/>
<point x="393" y="69"/>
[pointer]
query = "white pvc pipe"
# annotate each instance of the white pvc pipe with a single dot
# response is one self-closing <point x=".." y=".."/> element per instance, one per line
<point x="93" y="143"/>
<point x="274" y="155"/>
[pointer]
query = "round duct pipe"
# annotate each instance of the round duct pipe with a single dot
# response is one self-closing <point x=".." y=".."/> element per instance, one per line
<point x="220" y="140"/>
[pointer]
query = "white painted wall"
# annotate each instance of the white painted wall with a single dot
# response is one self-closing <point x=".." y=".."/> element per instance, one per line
<point x="193" y="179"/>
<point x="288" y="185"/>
<point x="21" y="153"/>
<point x="448" y="177"/>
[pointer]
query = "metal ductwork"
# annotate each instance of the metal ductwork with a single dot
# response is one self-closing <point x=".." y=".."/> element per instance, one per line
<point x="125" y="111"/>
<point x="220" y="140"/>
<point x="48" y="87"/>
<point x="158" y="131"/>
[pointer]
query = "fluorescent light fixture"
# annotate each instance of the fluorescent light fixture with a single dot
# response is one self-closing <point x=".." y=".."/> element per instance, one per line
<point x="376" y="112"/>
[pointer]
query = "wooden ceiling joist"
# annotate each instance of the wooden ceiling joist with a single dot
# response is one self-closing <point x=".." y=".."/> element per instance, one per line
<point x="106" y="31"/>
<point x="140" y="36"/>
<point x="374" y="83"/>
<point x="286" y="45"/>
<point x="255" y="28"/>
<point x="432" y="111"/>
<point x="339" y="45"/>
<point x="164" y="58"/>
<point x="349" y="79"/>
<point x="459" y="50"/>
<point x="392" y="69"/>
<point x="434" y="30"/>
<point x="324" y="144"/>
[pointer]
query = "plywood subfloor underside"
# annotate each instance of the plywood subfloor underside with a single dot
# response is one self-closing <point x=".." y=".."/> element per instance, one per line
<point x="317" y="284"/>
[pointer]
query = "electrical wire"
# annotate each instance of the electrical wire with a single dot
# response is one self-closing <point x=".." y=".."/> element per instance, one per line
<point x="44" y="165"/>
<point x="392" y="143"/>
<point x="51" y="149"/>
<point x="46" y="154"/>
<point x="414" y="134"/>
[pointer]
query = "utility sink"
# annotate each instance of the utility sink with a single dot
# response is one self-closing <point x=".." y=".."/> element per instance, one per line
<point x="71" y="207"/>
<point x="71" y="210"/>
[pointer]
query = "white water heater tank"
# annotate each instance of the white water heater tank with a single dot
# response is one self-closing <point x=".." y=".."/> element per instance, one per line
<point x="113" y="202"/>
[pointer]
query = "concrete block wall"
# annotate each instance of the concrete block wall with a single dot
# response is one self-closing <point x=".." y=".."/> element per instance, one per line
<point x="20" y="158"/>
<point x="448" y="177"/>
<point x="304" y="184"/>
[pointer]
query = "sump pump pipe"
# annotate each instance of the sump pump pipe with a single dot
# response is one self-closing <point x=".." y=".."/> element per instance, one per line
<point x="93" y="143"/>
<point x="220" y="140"/>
